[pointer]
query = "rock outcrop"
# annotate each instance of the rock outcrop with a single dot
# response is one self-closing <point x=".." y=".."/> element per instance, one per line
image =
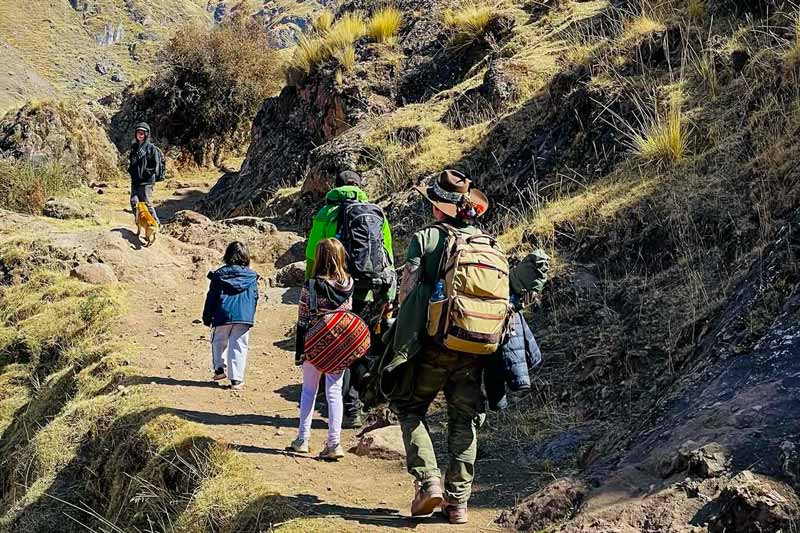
<point x="59" y="132"/>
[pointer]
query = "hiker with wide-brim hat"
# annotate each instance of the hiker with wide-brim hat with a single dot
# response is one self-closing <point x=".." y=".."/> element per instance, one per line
<point x="420" y="369"/>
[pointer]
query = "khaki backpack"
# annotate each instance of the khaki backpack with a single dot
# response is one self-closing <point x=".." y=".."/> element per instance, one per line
<point x="471" y="314"/>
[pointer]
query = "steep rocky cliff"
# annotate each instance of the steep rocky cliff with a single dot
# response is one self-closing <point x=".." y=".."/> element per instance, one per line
<point x="651" y="150"/>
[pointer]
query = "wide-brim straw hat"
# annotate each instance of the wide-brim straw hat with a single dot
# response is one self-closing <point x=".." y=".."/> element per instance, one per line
<point x="452" y="193"/>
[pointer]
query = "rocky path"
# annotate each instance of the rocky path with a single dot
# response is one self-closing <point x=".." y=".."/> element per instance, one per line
<point x="355" y="494"/>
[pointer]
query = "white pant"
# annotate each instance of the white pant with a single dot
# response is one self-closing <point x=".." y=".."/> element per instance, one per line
<point x="230" y="342"/>
<point x="333" y="393"/>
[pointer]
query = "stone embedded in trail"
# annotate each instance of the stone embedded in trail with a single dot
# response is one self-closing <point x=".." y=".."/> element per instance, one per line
<point x="752" y="502"/>
<point x="291" y="275"/>
<point x="251" y="222"/>
<point x="704" y="461"/>
<point x="189" y="218"/>
<point x="557" y="501"/>
<point x="382" y="443"/>
<point x="94" y="273"/>
<point x="63" y="208"/>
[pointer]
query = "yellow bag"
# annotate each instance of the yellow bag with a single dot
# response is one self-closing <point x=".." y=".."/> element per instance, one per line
<point x="472" y="316"/>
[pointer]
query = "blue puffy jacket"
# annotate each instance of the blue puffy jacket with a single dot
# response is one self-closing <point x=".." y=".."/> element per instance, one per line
<point x="232" y="296"/>
<point x="510" y="365"/>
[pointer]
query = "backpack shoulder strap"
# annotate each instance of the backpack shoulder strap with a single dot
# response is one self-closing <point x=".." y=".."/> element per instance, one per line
<point x="313" y="303"/>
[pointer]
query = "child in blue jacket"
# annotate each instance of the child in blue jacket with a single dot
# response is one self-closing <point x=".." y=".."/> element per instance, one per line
<point x="230" y="310"/>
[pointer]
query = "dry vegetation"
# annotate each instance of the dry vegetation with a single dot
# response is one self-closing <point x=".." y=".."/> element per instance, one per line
<point x="24" y="187"/>
<point x="81" y="449"/>
<point x="337" y="40"/>
<point x="212" y="83"/>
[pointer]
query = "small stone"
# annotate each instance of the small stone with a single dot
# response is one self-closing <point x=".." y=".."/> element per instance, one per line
<point x="159" y="334"/>
<point x="197" y="321"/>
<point x="64" y="209"/>
<point x="292" y="275"/>
<point x="94" y="273"/>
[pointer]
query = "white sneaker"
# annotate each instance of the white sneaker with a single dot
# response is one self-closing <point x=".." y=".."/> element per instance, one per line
<point x="332" y="452"/>
<point x="299" y="445"/>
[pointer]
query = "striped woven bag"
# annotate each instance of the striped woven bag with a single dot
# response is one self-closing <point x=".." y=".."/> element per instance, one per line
<point x="336" y="339"/>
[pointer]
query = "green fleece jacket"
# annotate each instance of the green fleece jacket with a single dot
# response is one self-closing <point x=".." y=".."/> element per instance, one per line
<point x="325" y="224"/>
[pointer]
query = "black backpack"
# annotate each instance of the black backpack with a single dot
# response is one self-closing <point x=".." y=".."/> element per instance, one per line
<point x="161" y="171"/>
<point x="360" y="228"/>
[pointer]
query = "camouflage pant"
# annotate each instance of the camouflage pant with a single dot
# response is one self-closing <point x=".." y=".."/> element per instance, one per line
<point x="459" y="376"/>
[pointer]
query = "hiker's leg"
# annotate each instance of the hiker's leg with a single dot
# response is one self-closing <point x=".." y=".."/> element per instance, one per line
<point x="333" y="393"/>
<point x="219" y="345"/>
<point x="429" y="379"/>
<point x="465" y="406"/>
<point x="147" y="197"/>
<point x="352" y="406"/>
<point x="134" y="199"/>
<point x="237" y="351"/>
<point x="310" y="384"/>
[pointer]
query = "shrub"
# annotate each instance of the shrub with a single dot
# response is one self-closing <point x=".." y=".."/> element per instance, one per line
<point x="212" y="82"/>
<point x="385" y="24"/>
<point x="24" y="187"/>
<point x="469" y="22"/>
<point x="322" y="24"/>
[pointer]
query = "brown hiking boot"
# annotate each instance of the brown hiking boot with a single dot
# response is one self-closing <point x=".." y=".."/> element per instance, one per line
<point x="456" y="513"/>
<point x="427" y="498"/>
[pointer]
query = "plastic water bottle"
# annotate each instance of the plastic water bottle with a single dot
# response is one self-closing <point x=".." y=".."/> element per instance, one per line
<point x="438" y="294"/>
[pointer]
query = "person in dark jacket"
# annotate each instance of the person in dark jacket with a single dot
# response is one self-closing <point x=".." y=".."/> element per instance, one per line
<point x="144" y="167"/>
<point x="230" y="310"/>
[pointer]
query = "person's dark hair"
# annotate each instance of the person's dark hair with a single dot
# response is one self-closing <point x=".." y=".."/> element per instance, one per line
<point x="348" y="177"/>
<point x="237" y="254"/>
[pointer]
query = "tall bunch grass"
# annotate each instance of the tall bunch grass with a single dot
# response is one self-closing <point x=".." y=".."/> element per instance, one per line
<point x="707" y="70"/>
<point x="322" y="24"/>
<point x="385" y="24"/>
<point x="662" y="137"/>
<point x="468" y="22"/>
<point x="25" y="187"/>
<point x="337" y="42"/>
<point x="345" y="31"/>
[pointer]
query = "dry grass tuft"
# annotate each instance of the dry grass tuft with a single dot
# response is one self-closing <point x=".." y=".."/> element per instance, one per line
<point x="25" y="187"/>
<point x="346" y="31"/>
<point x="468" y="22"/>
<point x="384" y="24"/>
<point x="659" y="136"/>
<point x="336" y="43"/>
<point x="707" y="70"/>
<point x="346" y="57"/>
<point x="695" y="10"/>
<point x="322" y="24"/>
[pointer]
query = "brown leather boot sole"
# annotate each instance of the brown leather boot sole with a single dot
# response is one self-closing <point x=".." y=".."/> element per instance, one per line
<point x="427" y="505"/>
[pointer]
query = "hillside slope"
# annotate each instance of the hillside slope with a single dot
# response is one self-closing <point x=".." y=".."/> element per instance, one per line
<point x="87" y="49"/>
<point x="650" y="148"/>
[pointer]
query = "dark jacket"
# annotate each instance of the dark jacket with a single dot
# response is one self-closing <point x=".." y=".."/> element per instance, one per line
<point x="232" y="296"/>
<point x="510" y="365"/>
<point x="144" y="161"/>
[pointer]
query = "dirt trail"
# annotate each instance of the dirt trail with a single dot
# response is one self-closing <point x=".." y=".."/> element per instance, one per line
<point x="356" y="494"/>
